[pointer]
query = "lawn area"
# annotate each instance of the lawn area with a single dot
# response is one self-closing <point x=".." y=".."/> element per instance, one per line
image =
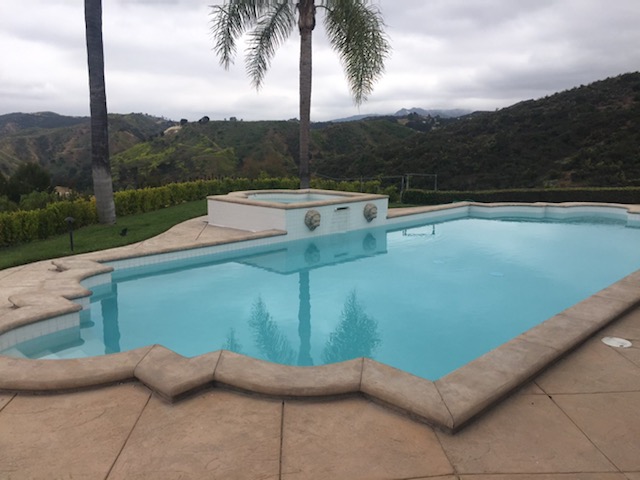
<point x="100" y="237"/>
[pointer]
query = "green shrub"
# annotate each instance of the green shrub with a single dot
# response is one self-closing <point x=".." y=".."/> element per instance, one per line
<point x="36" y="200"/>
<point x="392" y="192"/>
<point x="626" y="195"/>
<point x="25" y="226"/>
<point x="7" y="205"/>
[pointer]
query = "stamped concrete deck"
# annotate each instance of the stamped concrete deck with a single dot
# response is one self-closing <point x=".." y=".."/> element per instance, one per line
<point x="576" y="421"/>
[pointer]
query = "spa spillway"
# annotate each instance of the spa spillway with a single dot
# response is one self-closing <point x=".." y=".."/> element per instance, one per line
<point x="301" y="213"/>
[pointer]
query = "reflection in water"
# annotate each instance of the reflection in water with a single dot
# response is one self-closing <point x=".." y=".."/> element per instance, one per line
<point x="408" y="233"/>
<point x="304" y="319"/>
<point x="231" y="343"/>
<point x="355" y="336"/>
<point x="312" y="255"/>
<point x="369" y="243"/>
<point x="110" y="327"/>
<point x="270" y="342"/>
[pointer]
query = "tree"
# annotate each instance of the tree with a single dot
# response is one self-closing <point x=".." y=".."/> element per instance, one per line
<point x="29" y="177"/>
<point x="355" y="30"/>
<point x="3" y="184"/>
<point x="355" y="336"/>
<point x="100" y="164"/>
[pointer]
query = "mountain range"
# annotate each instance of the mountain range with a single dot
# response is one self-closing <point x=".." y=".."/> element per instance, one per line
<point x="403" y="112"/>
<point x="585" y="136"/>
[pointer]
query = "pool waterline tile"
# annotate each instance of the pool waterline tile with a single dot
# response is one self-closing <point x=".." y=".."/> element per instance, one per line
<point x="448" y="403"/>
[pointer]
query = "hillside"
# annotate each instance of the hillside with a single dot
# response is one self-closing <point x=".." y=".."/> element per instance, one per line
<point x="586" y="136"/>
<point x="219" y="148"/>
<point x="62" y="144"/>
<point x="19" y="122"/>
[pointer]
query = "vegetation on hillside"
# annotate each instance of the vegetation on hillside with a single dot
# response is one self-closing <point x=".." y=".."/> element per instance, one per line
<point x="206" y="150"/>
<point x="61" y="144"/>
<point x="251" y="149"/>
<point x="586" y="136"/>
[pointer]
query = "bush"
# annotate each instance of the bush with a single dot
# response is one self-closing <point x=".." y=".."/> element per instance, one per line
<point x="25" y="226"/>
<point x="626" y="195"/>
<point x="7" y="205"/>
<point x="27" y="178"/>
<point x="36" y="200"/>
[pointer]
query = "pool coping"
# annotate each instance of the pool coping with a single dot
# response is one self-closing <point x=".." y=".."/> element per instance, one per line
<point x="244" y="198"/>
<point x="448" y="403"/>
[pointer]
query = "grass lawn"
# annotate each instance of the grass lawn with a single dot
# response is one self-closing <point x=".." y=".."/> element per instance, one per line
<point x="100" y="237"/>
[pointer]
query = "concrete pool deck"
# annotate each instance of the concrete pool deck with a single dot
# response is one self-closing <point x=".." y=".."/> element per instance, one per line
<point x="578" y="418"/>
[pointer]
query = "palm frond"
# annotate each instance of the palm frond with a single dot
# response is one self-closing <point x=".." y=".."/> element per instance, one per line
<point x="356" y="31"/>
<point x="271" y="31"/>
<point x="230" y="21"/>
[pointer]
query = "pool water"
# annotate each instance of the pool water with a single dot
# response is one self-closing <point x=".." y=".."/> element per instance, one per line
<point x="289" y="198"/>
<point x="425" y="299"/>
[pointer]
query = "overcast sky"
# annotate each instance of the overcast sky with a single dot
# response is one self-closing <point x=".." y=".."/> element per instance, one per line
<point x="471" y="54"/>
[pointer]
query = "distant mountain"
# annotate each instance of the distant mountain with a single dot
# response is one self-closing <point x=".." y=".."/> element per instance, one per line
<point x="452" y="113"/>
<point x="12" y="123"/>
<point x="403" y="112"/>
<point x="353" y="118"/>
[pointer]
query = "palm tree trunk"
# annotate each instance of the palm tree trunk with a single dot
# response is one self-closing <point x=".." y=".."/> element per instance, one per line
<point x="304" y="319"/>
<point x="306" y="24"/>
<point x="100" y="165"/>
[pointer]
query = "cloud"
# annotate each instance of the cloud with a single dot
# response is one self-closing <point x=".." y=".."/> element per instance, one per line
<point x="476" y="54"/>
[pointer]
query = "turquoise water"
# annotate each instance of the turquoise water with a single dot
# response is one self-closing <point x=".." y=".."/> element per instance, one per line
<point x="426" y="299"/>
<point x="292" y="197"/>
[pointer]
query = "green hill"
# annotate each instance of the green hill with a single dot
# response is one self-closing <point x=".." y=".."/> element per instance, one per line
<point x="20" y="122"/>
<point x="62" y="144"/>
<point x="586" y="136"/>
<point x="219" y="148"/>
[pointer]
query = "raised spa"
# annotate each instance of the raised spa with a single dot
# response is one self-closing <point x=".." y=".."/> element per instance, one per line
<point x="298" y="213"/>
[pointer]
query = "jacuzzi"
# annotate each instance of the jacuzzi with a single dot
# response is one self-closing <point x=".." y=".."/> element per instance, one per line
<point x="301" y="213"/>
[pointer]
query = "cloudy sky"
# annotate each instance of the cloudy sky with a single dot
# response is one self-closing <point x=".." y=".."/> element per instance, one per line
<point x="471" y="54"/>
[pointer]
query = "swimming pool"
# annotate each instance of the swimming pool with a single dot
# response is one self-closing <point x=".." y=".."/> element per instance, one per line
<point x="426" y="299"/>
<point x="43" y="306"/>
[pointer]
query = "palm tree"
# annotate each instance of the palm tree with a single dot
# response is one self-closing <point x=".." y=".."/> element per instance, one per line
<point x="355" y="30"/>
<point x="100" y="166"/>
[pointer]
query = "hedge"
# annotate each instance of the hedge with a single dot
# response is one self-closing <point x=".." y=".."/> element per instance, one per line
<point x="28" y="225"/>
<point x="626" y="195"/>
<point x="25" y="226"/>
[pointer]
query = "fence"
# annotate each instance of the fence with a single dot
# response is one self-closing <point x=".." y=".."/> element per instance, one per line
<point x="420" y="181"/>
